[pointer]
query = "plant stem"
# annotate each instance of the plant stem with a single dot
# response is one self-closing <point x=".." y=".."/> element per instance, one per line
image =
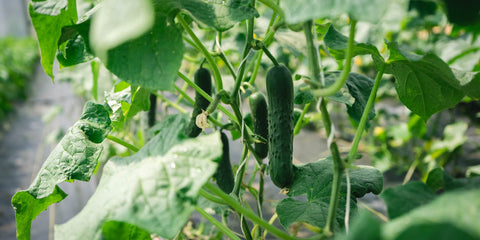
<point x="272" y="58"/>
<point x="247" y="213"/>
<point x="206" y="96"/>
<point x="323" y="92"/>
<point x="123" y="143"/>
<point x="314" y="65"/>
<point x="274" y="7"/>
<point x="257" y="66"/>
<point x="206" y="53"/>
<point x="219" y="225"/>
<point x="363" y="120"/>
<point x="211" y="197"/>
<point x="240" y="171"/>
<point x="298" y="126"/>
<point x="173" y="104"/>
<point x="183" y="94"/>
<point x="338" y="167"/>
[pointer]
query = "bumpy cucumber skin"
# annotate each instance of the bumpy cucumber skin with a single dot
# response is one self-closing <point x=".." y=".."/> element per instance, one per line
<point x="280" y="125"/>
<point x="224" y="174"/>
<point x="258" y="107"/>
<point x="203" y="79"/>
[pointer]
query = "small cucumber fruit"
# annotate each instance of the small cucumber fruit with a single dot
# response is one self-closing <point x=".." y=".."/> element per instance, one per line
<point x="258" y="107"/>
<point x="204" y="81"/>
<point x="280" y="125"/>
<point x="224" y="174"/>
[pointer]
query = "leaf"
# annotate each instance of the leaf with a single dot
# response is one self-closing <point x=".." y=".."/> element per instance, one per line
<point x="362" y="10"/>
<point x="404" y="198"/>
<point x="437" y="180"/>
<point x="155" y="189"/>
<point x="314" y="180"/>
<point x="124" y="105"/>
<point x="469" y="81"/>
<point x="425" y="84"/>
<point x="48" y="19"/>
<point x="355" y="94"/>
<point x="118" y="21"/>
<point x="219" y="14"/>
<point x="74" y="158"/>
<point x="454" y="215"/>
<point x="150" y="61"/>
<point x="337" y="44"/>
<point x="114" y="230"/>
<point x="27" y="208"/>
<point x="364" y="226"/>
<point x="73" y="52"/>
<point x="303" y="96"/>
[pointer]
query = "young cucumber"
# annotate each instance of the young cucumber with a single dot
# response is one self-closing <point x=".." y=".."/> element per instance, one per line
<point x="204" y="81"/>
<point x="224" y="174"/>
<point x="280" y="125"/>
<point x="258" y="106"/>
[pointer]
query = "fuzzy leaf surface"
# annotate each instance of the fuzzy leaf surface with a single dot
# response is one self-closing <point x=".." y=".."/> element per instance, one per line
<point x="314" y="180"/>
<point x="74" y="158"/>
<point x="155" y="189"/>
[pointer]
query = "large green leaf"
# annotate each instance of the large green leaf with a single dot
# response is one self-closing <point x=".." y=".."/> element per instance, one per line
<point x="424" y="83"/>
<point x="403" y="198"/>
<point x="337" y="44"/>
<point x="218" y="14"/>
<point x="74" y="158"/>
<point x="118" y="21"/>
<point x="315" y="181"/>
<point x="155" y="189"/>
<point x="150" y="61"/>
<point x="48" y="19"/>
<point x="454" y="215"/>
<point x="362" y="10"/>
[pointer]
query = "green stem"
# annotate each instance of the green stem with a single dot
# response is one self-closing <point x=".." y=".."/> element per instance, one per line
<point x="363" y="120"/>
<point x="206" y="96"/>
<point x="274" y="7"/>
<point x="240" y="171"/>
<point x="323" y="92"/>
<point x="299" y="124"/>
<point x="211" y="197"/>
<point x="272" y="58"/>
<point x="314" y="65"/>
<point x="123" y="143"/>
<point x="206" y="53"/>
<point x="247" y="213"/>
<point x="219" y="225"/>
<point x="257" y="66"/>
<point x="173" y="104"/>
<point x="183" y="94"/>
<point x="338" y="167"/>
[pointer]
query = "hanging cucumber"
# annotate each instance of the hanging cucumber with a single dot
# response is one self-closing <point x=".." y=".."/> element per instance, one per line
<point x="280" y="125"/>
<point x="258" y="106"/>
<point x="204" y="81"/>
<point x="224" y="174"/>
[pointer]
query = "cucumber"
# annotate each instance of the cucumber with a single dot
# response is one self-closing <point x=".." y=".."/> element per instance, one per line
<point x="258" y="107"/>
<point x="280" y="125"/>
<point x="204" y="81"/>
<point x="224" y="174"/>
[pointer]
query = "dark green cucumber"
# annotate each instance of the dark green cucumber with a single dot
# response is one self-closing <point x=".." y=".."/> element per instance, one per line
<point x="258" y="106"/>
<point x="224" y="174"/>
<point x="280" y="125"/>
<point x="204" y="81"/>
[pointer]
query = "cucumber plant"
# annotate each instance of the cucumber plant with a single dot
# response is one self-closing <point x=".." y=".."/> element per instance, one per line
<point x="153" y="47"/>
